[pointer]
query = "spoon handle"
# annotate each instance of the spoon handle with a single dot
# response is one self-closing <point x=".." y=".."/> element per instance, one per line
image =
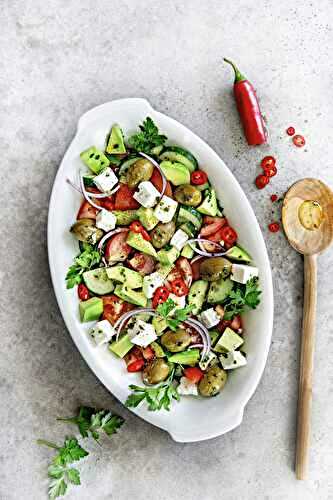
<point x="306" y="366"/>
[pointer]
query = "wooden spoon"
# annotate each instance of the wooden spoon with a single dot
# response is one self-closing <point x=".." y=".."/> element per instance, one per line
<point x="307" y="217"/>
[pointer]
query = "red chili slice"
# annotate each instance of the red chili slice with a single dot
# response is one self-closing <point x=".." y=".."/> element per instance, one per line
<point x="290" y="131"/>
<point x="270" y="171"/>
<point x="160" y="296"/>
<point x="299" y="141"/>
<point x="136" y="366"/>
<point x="274" y="227"/>
<point x="83" y="292"/>
<point x="274" y="197"/>
<point x="136" y="226"/>
<point x="179" y="287"/>
<point x="261" y="181"/>
<point x="229" y="235"/>
<point x="268" y="161"/>
<point x="145" y="235"/>
<point x="198" y="177"/>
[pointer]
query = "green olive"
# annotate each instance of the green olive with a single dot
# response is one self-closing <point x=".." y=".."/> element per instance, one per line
<point x="85" y="230"/>
<point x="176" y="341"/>
<point x="162" y="234"/>
<point x="188" y="195"/>
<point x="212" y="382"/>
<point x="156" y="371"/>
<point x="139" y="171"/>
<point x="214" y="268"/>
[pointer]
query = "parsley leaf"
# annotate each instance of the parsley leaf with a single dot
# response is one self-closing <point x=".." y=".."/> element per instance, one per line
<point x="173" y="315"/>
<point x="90" y="420"/>
<point x="157" y="397"/>
<point x="83" y="262"/>
<point x="147" y="138"/>
<point x="243" y="297"/>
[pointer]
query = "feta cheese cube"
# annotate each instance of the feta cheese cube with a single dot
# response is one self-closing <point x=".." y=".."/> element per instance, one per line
<point x="102" y="332"/>
<point x="187" y="388"/>
<point x="147" y="194"/>
<point x="142" y="334"/>
<point x="242" y="273"/>
<point x="209" y="360"/>
<point x="210" y="318"/>
<point x="106" y="220"/>
<point x="179" y="301"/>
<point x="106" y="180"/>
<point x="151" y="283"/>
<point x="179" y="239"/>
<point x="166" y="209"/>
<point x="232" y="360"/>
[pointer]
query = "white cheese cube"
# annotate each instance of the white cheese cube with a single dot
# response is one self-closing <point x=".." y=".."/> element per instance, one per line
<point x="147" y="194"/>
<point x="209" y="360"/>
<point x="242" y="273"/>
<point x="106" y="180"/>
<point x="187" y="388"/>
<point x="106" y="220"/>
<point x="102" y="332"/>
<point x="179" y="301"/>
<point x="179" y="239"/>
<point x="210" y="318"/>
<point x="144" y="334"/>
<point x="151" y="283"/>
<point x="166" y="208"/>
<point x="232" y="360"/>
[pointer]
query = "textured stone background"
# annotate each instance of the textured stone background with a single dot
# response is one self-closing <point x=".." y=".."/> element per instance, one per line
<point x="60" y="58"/>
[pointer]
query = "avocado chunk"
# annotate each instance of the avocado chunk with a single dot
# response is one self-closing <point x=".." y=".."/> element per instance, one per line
<point x="121" y="347"/>
<point x="219" y="290"/>
<point x="137" y="241"/>
<point x="197" y="295"/>
<point x="159" y="324"/>
<point x="91" y="309"/>
<point x="187" y="252"/>
<point x="228" y="342"/>
<point x="164" y="269"/>
<point x="131" y="296"/>
<point x="176" y="173"/>
<point x="190" y="357"/>
<point x="209" y="205"/>
<point x="115" y="143"/>
<point x="147" y="218"/>
<point x="168" y="257"/>
<point x="94" y="159"/>
<point x="125" y="275"/>
<point x="125" y="217"/>
<point x="239" y="254"/>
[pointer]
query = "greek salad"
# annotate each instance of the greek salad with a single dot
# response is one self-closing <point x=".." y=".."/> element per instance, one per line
<point x="159" y="269"/>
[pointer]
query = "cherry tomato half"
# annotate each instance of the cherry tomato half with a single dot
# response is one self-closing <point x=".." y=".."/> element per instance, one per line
<point x="299" y="141"/>
<point x="261" y="181"/>
<point x="198" y="177"/>
<point x="161" y="294"/>
<point x="229" y="235"/>
<point x="136" y="366"/>
<point x="83" y="292"/>
<point x="268" y="161"/>
<point x="270" y="171"/>
<point x="274" y="227"/>
<point x="178" y="287"/>
<point x="193" y="374"/>
<point x="290" y="131"/>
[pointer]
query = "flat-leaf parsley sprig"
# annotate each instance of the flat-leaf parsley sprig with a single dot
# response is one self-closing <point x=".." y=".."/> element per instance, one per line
<point x="241" y="298"/>
<point x="172" y="314"/>
<point x="83" y="262"/>
<point x="91" y="421"/>
<point x="147" y="138"/>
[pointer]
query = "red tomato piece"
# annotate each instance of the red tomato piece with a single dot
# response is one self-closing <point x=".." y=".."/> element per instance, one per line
<point x="268" y="161"/>
<point x="133" y="355"/>
<point x="290" y="131"/>
<point x="208" y="219"/>
<point x="261" y="181"/>
<point x="160" y="296"/>
<point x="124" y="198"/>
<point x="179" y="287"/>
<point x="212" y="228"/>
<point x="83" y="292"/>
<point x="143" y="263"/>
<point x="108" y="203"/>
<point x="148" y="353"/>
<point x="229" y="235"/>
<point x="196" y="268"/>
<point x="198" y="177"/>
<point x="116" y="248"/>
<point x="114" y="308"/>
<point x="136" y="366"/>
<point x="274" y="227"/>
<point x="299" y="140"/>
<point x="156" y="180"/>
<point x="194" y="374"/>
<point x="87" y="211"/>
<point x="236" y="323"/>
<point x="136" y="226"/>
<point x="223" y="324"/>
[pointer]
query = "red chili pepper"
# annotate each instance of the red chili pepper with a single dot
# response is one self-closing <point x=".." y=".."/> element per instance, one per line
<point x="136" y="366"/>
<point x="229" y="235"/>
<point x="248" y="109"/>
<point x="274" y="197"/>
<point x="299" y="141"/>
<point x="199" y="177"/>
<point x="261" y="181"/>
<point x="274" y="227"/>
<point x="83" y="292"/>
<point x="290" y="131"/>
<point x="161" y="294"/>
<point x="178" y="287"/>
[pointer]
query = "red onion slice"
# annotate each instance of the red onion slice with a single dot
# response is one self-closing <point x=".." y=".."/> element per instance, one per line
<point x="85" y="194"/>
<point x="194" y="346"/>
<point x="119" y="324"/>
<point x="204" y="333"/>
<point x="74" y="186"/>
<point x="109" y="234"/>
<point x="93" y="195"/>
<point x="202" y="252"/>
<point x="154" y="162"/>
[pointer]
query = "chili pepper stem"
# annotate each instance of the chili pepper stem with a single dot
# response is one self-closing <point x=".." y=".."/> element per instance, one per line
<point x="238" y="75"/>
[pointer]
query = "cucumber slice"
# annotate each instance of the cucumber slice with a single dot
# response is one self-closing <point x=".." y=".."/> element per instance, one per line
<point x="124" y="168"/>
<point x="190" y="214"/>
<point x="189" y="229"/>
<point x="180" y="155"/>
<point x="88" y="180"/>
<point x="156" y="150"/>
<point x="98" y="282"/>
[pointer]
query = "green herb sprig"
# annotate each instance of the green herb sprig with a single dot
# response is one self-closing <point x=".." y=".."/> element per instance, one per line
<point x="157" y="398"/>
<point x="147" y="138"/>
<point x="172" y="314"/>
<point x="243" y="297"/>
<point x="83" y="262"/>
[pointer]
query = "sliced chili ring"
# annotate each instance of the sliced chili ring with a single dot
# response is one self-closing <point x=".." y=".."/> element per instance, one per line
<point x="179" y="287"/>
<point x="161" y="294"/>
<point x="299" y="141"/>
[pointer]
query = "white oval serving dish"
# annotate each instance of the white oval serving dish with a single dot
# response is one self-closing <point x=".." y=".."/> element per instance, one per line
<point x="192" y="419"/>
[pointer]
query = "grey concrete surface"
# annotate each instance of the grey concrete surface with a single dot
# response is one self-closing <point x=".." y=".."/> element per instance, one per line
<point x="60" y="58"/>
